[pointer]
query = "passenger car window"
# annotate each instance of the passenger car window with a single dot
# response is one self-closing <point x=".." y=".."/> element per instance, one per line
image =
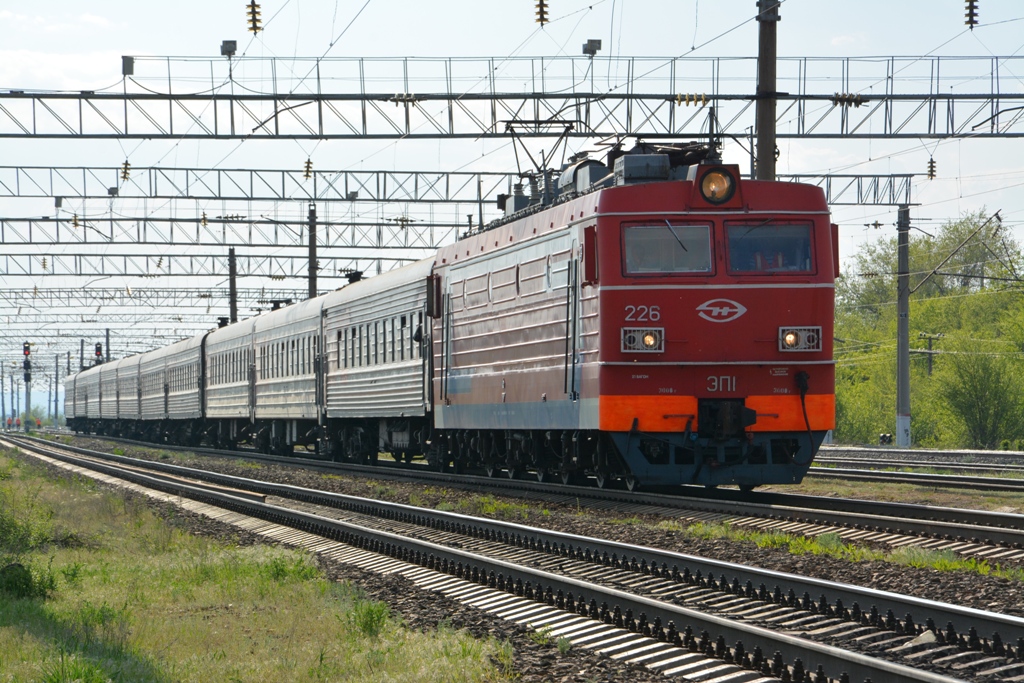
<point x="666" y="248"/>
<point x="771" y="247"/>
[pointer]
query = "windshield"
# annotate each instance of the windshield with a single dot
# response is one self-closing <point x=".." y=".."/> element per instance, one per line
<point x="769" y="248"/>
<point x="666" y="247"/>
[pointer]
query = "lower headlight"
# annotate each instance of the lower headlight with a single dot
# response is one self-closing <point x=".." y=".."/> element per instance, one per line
<point x="647" y="339"/>
<point x="799" y="339"/>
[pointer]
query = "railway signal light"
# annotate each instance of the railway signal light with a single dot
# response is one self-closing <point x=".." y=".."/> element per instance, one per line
<point x="254" y="17"/>
<point x="542" y="12"/>
<point x="99" y="350"/>
<point x="971" y="14"/>
<point x="931" y="169"/>
<point x="126" y="170"/>
<point x="309" y="169"/>
<point x="26" y="349"/>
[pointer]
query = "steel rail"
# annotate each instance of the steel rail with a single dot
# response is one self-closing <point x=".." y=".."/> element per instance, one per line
<point x="955" y="481"/>
<point x="874" y="464"/>
<point x="811" y="654"/>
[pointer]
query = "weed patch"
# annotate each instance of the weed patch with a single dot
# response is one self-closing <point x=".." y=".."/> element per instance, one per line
<point x="832" y="545"/>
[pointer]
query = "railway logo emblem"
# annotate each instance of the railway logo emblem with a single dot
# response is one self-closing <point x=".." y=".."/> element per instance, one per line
<point x="720" y="310"/>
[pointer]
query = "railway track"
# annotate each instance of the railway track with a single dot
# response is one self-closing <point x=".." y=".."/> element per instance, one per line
<point x="825" y="469"/>
<point x="587" y="590"/>
<point x="990" y="536"/>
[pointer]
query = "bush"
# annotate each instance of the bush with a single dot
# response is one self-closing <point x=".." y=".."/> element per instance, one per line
<point x="21" y="582"/>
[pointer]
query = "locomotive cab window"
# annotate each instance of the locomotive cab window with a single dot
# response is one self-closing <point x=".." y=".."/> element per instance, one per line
<point x="666" y="248"/>
<point x="770" y="247"/>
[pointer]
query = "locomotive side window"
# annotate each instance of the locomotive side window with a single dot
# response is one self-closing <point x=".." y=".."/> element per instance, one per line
<point x="666" y="248"/>
<point x="769" y="247"/>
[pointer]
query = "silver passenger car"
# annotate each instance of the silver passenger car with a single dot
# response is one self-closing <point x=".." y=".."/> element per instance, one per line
<point x="229" y="358"/>
<point x="69" y="398"/>
<point x="375" y="367"/>
<point x="128" y="395"/>
<point x="87" y="394"/>
<point x="286" y="342"/>
<point x="170" y="381"/>
<point x="108" y="390"/>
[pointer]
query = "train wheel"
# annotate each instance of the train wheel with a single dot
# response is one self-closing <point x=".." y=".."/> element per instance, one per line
<point x="602" y="479"/>
<point x="567" y="477"/>
<point x="543" y="475"/>
<point x="747" y="488"/>
<point x="491" y="470"/>
<point x="512" y="472"/>
<point x="632" y="483"/>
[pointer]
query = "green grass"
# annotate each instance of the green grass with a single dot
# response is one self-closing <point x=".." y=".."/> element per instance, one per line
<point x="832" y="545"/>
<point x="489" y="506"/>
<point x="117" y="594"/>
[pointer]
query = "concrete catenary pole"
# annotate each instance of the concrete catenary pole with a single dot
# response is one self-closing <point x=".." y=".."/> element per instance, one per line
<point x="903" y="327"/>
<point x="768" y="19"/>
<point x="232" y="285"/>
<point x="312" y="250"/>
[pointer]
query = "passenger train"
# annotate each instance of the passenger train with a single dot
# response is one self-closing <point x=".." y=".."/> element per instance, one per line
<point x="651" y="320"/>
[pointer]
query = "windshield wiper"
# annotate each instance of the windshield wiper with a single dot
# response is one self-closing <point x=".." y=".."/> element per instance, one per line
<point x="673" y="231"/>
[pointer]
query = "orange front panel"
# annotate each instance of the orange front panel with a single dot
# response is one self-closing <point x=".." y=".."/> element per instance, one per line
<point x="670" y="413"/>
<point x="783" y="413"/>
<point x="655" y="413"/>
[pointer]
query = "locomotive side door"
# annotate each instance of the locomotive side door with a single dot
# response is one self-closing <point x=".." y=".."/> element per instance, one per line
<point x="437" y="307"/>
<point x="572" y="313"/>
<point x="321" y="363"/>
<point x="252" y="386"/>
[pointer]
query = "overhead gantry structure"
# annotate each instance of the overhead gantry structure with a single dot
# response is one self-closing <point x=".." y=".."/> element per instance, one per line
<point x="655" y="98"/>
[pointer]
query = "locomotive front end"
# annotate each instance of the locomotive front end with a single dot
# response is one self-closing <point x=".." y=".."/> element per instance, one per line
<point x="716" y="310"/>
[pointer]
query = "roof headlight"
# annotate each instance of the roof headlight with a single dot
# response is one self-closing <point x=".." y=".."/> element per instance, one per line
<point x="717" y="186"/>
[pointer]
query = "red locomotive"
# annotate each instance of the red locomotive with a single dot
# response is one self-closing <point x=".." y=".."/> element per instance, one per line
<point x="656" y="320"/>
<point x="656" y="330"/>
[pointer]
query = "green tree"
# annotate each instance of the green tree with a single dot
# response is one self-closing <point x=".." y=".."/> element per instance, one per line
<point x="982" y="388"/>
<point x="972" y="298"/>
